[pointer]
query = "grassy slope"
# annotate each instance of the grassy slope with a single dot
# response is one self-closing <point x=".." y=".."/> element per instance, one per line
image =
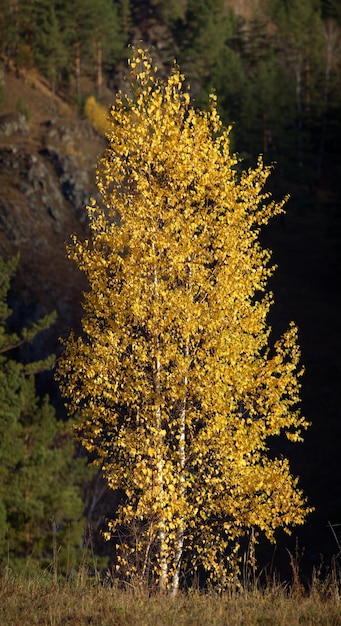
<point x="37" y="603"/>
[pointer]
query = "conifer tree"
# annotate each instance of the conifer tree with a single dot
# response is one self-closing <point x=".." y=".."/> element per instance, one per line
<point x="124" y="14"/>
<point x="40" y="486"/>
<point x="49" y="44"/>
<point x="175" y="380"/>
<point x="301" y="43"/>
<point x="92" y="33"/>
<point x="200" y="35"/>
<point x="266" y="104"/>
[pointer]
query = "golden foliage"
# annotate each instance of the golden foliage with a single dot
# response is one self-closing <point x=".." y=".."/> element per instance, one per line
<point x="97" y="115"/>
<point x="177" y="388"/>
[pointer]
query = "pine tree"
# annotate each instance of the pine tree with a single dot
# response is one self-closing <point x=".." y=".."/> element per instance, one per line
<point x="301" y="46"/>
<point x="10" y="34"/>
<point x="124" y="14"/>
<point x="107" y="40"/>
<point x="40" y="486"/>
<point x="267" y="108"/>
<point x="200" y="36"/>
<point x="49" y="45"/>
<point x="176" y="384"/>
<point x="92" y="35"/>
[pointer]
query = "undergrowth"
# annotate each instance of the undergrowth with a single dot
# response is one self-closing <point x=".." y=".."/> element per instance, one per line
<point x="43" y="600"/>
<point x="87" y="596"/>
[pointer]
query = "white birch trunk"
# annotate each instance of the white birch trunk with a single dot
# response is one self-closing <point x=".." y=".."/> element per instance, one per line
<point x="179" y="541"/>
<point x="333" y="49"/>
<point x="298" y="76"/>
<point x="163" y="562"/>
<point x="180" y="529"/>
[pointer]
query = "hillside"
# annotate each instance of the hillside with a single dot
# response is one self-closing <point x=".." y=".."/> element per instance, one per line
<point x="47" y="172"/>
<point x="47" y="157"/>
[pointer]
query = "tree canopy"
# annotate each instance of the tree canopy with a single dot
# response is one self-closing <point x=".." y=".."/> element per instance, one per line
<point x="177" y="386"/>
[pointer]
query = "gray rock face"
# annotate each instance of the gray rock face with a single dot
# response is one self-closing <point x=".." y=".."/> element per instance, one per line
<point x="74" y="182"/>
<point x="12" y="124"/>
<point x="45" y="186"/>
<point x="41" y="191"/>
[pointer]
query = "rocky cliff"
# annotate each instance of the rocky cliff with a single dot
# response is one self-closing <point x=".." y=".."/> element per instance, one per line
<point x="48" y="156"/>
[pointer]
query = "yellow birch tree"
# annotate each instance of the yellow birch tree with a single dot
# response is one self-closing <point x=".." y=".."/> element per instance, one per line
<point x="176" y="385"/>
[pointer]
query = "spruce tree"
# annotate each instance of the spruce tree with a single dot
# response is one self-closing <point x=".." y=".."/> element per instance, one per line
<point x="200" y="36"/>
<point x="301" y="49"/>
<point x="40" y="481"/>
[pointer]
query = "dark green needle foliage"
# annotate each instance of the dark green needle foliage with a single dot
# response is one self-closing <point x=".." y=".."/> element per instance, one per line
<point x="40" y="481"/>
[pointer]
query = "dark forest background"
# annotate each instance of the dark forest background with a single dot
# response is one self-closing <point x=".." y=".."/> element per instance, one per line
<point x="275" y="66"/>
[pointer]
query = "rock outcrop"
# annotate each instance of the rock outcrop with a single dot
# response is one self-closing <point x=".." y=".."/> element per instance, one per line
<point x="13" y="123"/>
<point x="47" y="175"/>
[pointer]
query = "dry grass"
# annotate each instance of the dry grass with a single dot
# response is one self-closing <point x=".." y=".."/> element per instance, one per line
<point x="40" y="601"/>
